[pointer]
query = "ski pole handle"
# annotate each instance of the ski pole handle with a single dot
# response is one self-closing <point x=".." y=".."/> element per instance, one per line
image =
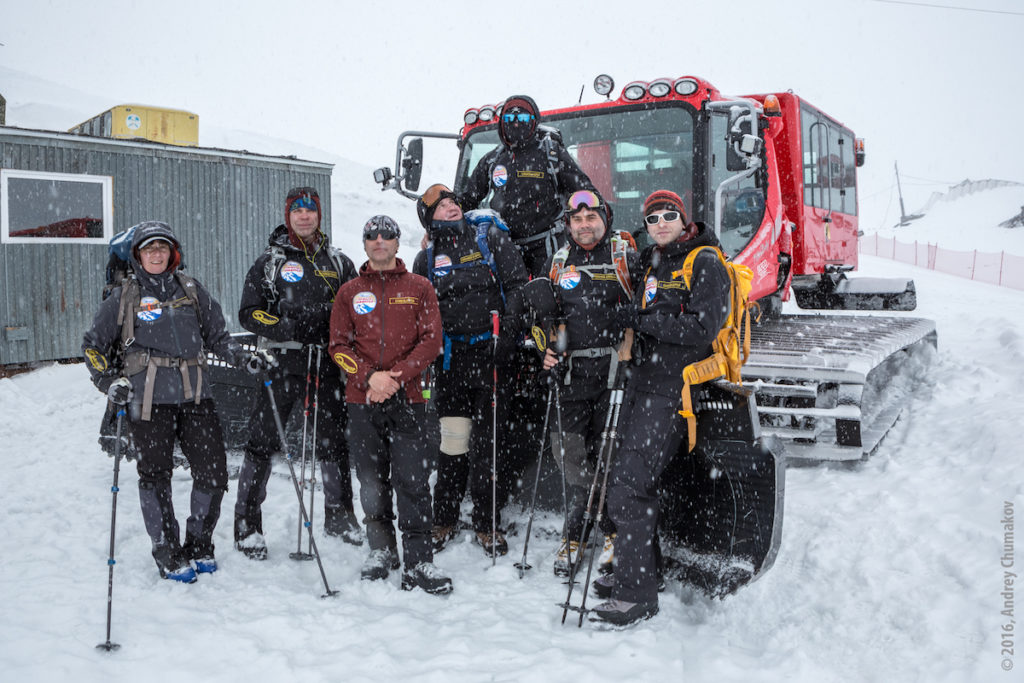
<point x="494" y="324"/>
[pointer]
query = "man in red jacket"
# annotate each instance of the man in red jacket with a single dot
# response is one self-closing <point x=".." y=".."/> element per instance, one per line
<point x="385" y="331"/>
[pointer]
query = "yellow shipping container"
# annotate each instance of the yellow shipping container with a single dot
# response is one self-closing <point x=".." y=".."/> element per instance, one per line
<point x="134" y="121"/>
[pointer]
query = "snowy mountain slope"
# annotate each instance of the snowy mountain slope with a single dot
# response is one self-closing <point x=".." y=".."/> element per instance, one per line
<point x="889" y="570"/>
<point x="967" y="217"/>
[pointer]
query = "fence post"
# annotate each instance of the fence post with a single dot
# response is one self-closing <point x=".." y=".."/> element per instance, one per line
<point x="974" y="263"/>
<point x="1002" y="257"/>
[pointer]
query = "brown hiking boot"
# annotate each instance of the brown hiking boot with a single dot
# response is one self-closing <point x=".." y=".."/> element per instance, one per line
<point x="440" y="535"/>
<point x="499" y="542"/>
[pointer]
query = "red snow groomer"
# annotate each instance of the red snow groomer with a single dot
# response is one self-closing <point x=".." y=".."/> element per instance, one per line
<point x="776" y="178"/>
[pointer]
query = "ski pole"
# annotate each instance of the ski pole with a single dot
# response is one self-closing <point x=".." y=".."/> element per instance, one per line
<point x="109" y="646"/>
<point x="522" y="566"/>
<point x="312" y="469"/>
<point x="298" y="491"/>
<point x="606" y="464"/>
<point x="298" y="554"/>
<point x="494" y="441"/>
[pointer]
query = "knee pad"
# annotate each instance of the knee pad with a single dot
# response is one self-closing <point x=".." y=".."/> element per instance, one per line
<point x="455" y="435"/>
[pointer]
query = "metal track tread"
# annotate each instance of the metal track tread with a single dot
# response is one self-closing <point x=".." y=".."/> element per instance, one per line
<point x="801" y="359"/>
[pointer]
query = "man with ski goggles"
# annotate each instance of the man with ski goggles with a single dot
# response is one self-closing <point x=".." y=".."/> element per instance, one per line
<point x="592" y="278"/>
<point x="527" y="177"/>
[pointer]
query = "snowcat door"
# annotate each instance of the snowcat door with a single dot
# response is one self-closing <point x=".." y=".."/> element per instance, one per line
<point x="722" y="503"/>
<point x="408" y="163"/>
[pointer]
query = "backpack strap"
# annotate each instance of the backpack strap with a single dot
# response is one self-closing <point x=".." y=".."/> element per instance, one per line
<point x="271" y="268"/>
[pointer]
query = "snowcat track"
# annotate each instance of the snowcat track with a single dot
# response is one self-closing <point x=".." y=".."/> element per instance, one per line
<point x="831" y="386"/>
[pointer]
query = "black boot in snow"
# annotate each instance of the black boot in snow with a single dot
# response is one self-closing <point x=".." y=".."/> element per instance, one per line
<point x="249" y="540"/>
<point x="341" y="522"/>
<point x="622" y="613"/>
<point x="378" y="564"/>
<point x="427" y="576"/>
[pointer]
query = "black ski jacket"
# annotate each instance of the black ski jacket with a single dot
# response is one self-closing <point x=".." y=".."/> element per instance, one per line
<point x="676" y="325"/>
<point x="467" y="290"/>
<point x="175" y="331"/>
<point x="306" y="283"/>
<point x="589" y="295"/>
<point x="525" y="194"/>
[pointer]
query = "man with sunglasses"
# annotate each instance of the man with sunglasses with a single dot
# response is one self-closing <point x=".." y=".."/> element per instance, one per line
<point x="529" y="176"/>
<point x="675" y="326"/>
<point x="385" y="332"/>
<point x="286" y="300"/>
<point x="592" y="277"/>
<point x="469" y="284"/>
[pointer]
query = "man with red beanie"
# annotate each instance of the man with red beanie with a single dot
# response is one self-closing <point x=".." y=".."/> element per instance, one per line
<point x="286" y="300"/>
<point x="675" y="326"/>
<point x="385" y="332"/>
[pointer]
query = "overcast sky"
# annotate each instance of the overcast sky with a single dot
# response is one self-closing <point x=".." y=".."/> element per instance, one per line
<point x="935" y="88"/>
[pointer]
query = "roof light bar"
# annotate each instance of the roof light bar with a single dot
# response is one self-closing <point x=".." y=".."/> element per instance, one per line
<point x="635" y="90"/>
<point x="685" y="86"/>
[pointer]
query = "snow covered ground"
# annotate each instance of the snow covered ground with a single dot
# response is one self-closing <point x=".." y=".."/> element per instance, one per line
<point x="889" y="570"/>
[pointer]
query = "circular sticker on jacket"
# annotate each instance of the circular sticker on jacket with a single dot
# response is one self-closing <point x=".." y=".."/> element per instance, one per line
<point x="150" y="310"/>
<point x="499" y="176"/>
<point x="442" y="265"/>
<point x="569" y="279"/>
<point x="364" y="302"/>
<point x="650" y="288"/>
<point x="291" y="271"/>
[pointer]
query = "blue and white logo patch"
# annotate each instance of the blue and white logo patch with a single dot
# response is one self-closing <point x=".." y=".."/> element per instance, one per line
<point x="499" y="176"/>
<point x="292" y="271"/>
<point x="650" y="288"/>
<point x="442" y="265"/>
<point x="364" y="302"/>
<point x="569" y="279"/>
<point x="152" y="311"/>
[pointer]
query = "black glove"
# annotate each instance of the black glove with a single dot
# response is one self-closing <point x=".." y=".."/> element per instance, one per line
<point x="260" y="361"/>
<point x="627" y="317"/>
<point x="120" y="391"/>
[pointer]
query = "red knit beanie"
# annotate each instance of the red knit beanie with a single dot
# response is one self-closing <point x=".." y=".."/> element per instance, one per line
<point x="665" y="200"/>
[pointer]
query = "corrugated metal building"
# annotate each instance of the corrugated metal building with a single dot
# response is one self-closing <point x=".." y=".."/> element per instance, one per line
<point x="63" y="196"/>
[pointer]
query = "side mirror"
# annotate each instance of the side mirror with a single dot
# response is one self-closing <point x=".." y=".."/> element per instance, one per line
<point x="382" y="176"/>
<point x="412" y="164"/>
<point x="742" y="145"/>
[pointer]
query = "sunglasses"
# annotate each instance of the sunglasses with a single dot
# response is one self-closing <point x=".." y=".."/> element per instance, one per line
<point x="520" y="118"/>
<point x="386" y="233"/>
<point x="583" y="199"/>
<point x="435" y="193"/>
<point x="668" y="216"/>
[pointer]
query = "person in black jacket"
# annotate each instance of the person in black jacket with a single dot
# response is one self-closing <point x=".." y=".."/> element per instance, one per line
<point x="593" y="276"/>
<point x="468" y="288"/>
<point x="161" y="322"/>
<point x="287" y="300"/>
<point x="675" y="326"/>
<point x="530" y="176"/>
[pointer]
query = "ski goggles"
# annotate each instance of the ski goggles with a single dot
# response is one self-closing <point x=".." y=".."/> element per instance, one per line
<point x="521" y="117"/>
<point x="381" y="226"/>
<point x="668" y="216"/>
<point x="435" y="193"/>
<point x="583" y="199"/>
<point x="303" y="202"/>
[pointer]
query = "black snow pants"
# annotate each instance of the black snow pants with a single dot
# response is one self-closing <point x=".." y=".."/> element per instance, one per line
<point x="653" y="434"/>
<point x="197" y="429"/>
<point x="394" y="446"/>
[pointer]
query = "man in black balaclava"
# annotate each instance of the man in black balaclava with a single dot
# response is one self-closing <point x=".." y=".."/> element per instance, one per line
<point x="529" y="175"/>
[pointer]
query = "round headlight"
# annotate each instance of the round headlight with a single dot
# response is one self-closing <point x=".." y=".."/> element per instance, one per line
<point x="603" y="85"/>
<point x="635" y="90"/>
<point x="470" y="117"/>
<point x="487" y="113"/>
<point x="685" y="86"/>
<point x="659" y="88"/>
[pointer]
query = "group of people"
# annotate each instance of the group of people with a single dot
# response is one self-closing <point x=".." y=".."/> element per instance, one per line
<point x="423" y="368"/>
